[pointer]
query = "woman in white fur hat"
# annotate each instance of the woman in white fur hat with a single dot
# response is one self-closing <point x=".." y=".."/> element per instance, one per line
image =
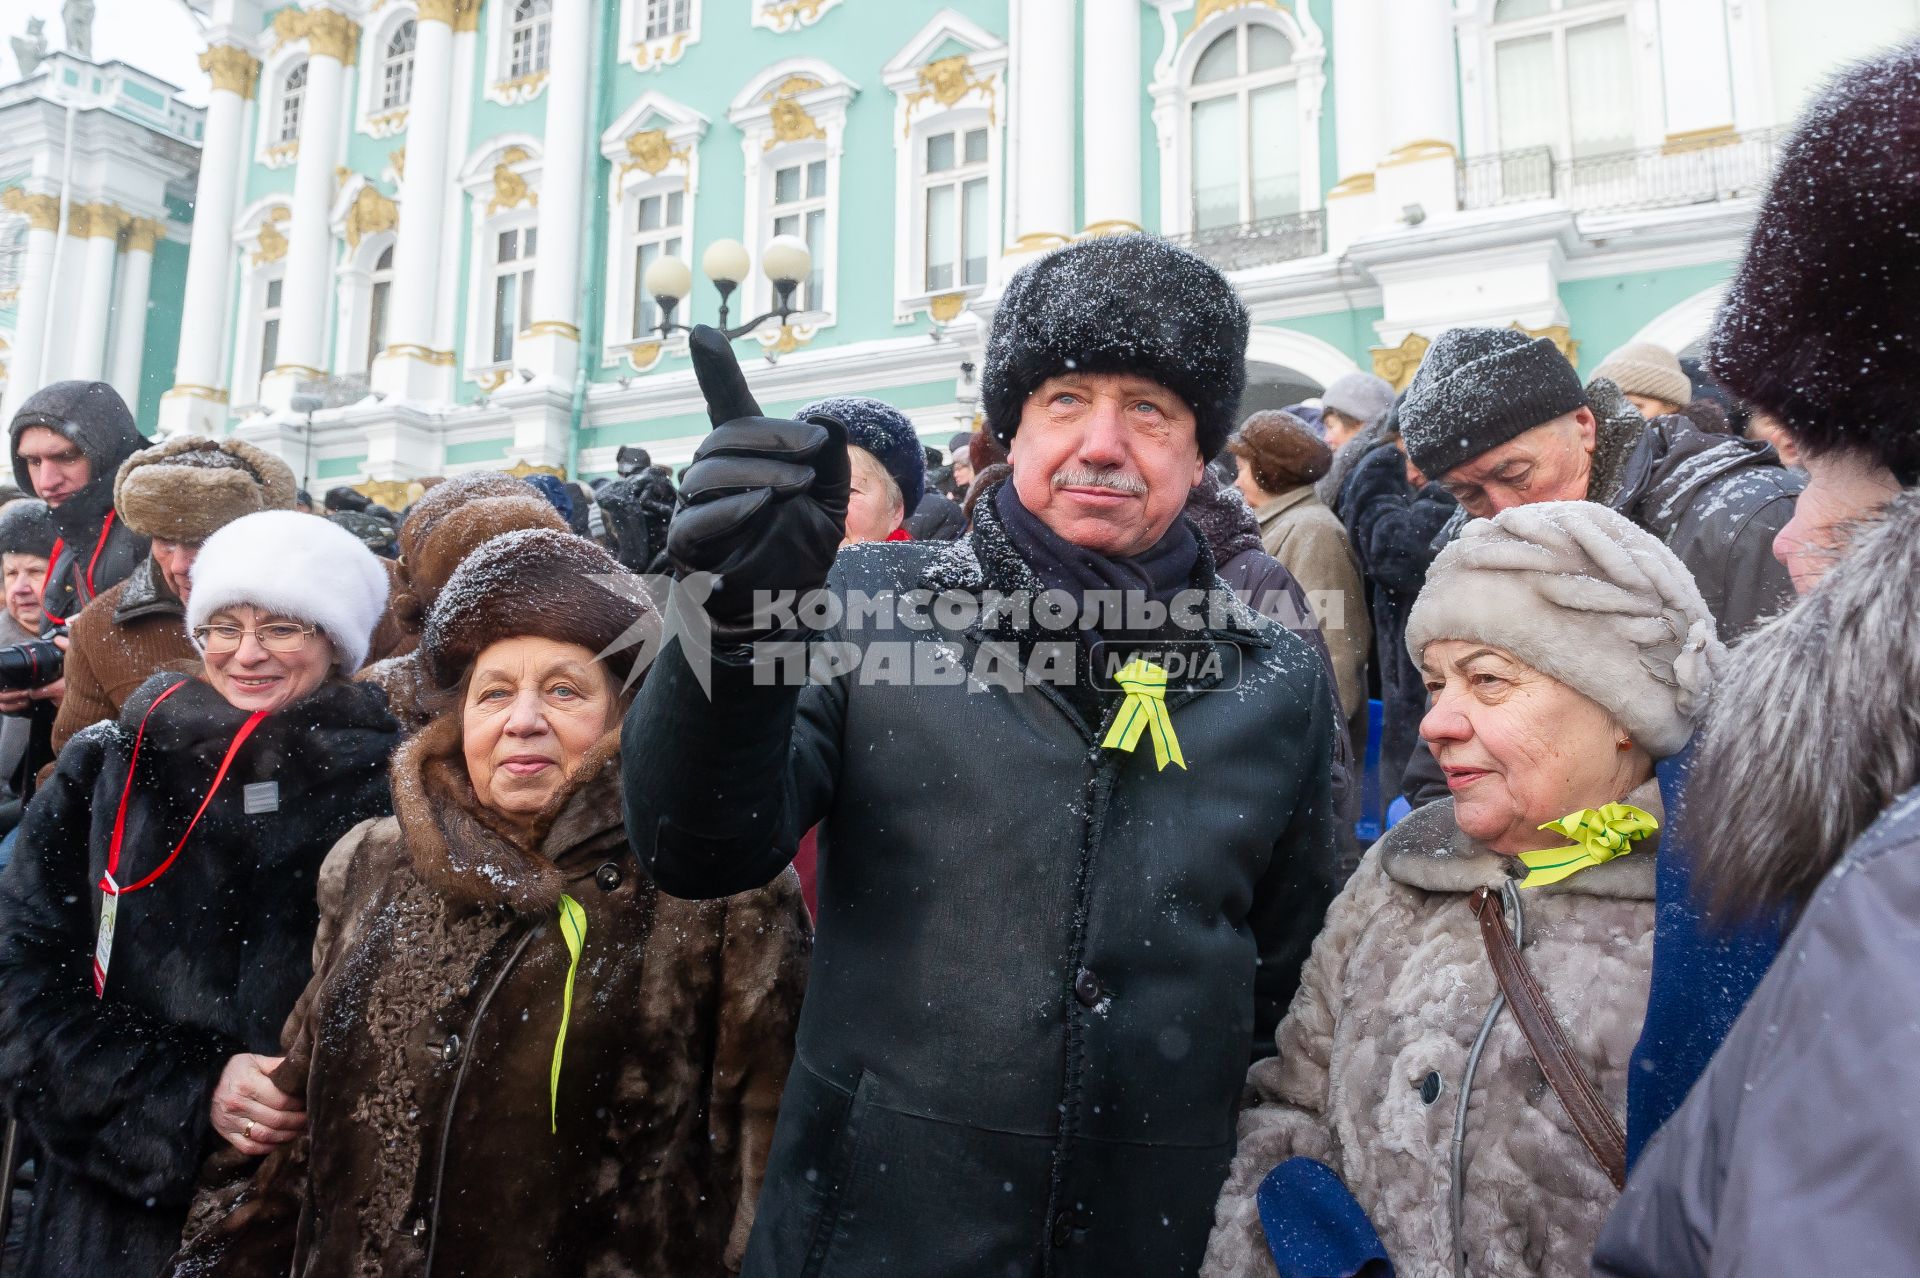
<point x="158" y="918"/>
<point x="1407" y="1116"/>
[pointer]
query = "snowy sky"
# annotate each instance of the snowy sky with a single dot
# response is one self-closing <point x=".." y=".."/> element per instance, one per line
<point x="157" y="36"/>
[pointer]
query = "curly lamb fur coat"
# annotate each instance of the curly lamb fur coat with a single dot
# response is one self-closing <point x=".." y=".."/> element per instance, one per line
<point x="1396" y="989"/>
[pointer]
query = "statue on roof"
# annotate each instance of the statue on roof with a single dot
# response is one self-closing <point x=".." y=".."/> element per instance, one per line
<point x="78" y="15"/>
<point x="30" y="49"/>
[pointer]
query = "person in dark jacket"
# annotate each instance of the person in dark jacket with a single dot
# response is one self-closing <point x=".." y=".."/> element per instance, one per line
<point x="637" y="508"/>
<point x="1047" y="949"/>
<point x="1391" y="526"/>
<point x="68" y="442"/>
<point x="619" y="1053"/>
<point x="157" y="920"/>
<point x="26" y="545"/>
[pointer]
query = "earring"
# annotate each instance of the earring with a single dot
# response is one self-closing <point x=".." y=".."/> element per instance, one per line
<point x="1623" y="745"/>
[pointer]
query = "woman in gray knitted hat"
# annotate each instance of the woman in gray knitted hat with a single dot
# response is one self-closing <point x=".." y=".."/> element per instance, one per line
<point x="1565" y="651"/>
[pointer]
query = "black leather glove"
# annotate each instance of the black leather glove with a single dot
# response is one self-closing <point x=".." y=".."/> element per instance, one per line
<point x="764" y="505"/>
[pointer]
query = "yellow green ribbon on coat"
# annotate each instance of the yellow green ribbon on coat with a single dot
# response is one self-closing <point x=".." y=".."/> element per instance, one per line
<point x="573" y="929"/>
<point x="1598" y="834"/>
<point x="1145" y="711"/>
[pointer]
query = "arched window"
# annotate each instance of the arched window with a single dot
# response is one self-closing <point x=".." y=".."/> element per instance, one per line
<point x="1563" y="76"/>
<point x="396" y="70"/>
<point x="1244" y="129"/>
<point x="293" y="94"/>
<point x="377" y="306"/>
<point x="529" y="38"/>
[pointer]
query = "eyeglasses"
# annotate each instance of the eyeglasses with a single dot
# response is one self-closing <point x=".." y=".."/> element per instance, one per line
<point x="274" y="636"/>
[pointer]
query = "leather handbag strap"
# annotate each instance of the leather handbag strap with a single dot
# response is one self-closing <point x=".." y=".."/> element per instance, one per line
<point x="1584" y="1104"/>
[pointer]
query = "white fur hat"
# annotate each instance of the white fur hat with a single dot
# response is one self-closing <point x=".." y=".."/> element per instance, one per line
<point x="297" y="565"/>
<point x="1579" y="593"/>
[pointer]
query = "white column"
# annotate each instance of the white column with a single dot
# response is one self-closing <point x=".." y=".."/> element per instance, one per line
<point x="1110" y="115"/>
<point x="1694" y="67"/>
<point x="406" y="369"/>
<point x="197" y="402"/>
<point x="1423" y="110"/>
<point x="125" y="362"/>
<point x="309" y="280"/>
<point x="1042" y="124"/>
<point x="25" y="367"/>
<point x="550" y="347"/>
<point x="88" y="358"/>
<point x="1360" y="93"/>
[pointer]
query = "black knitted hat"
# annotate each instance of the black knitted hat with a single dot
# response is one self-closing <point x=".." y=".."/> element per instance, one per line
<point x="26" y="528"/>
<point x="1819" y="326"/>
<point x="1479" y="388"/>
<point x="1120" y="304"/>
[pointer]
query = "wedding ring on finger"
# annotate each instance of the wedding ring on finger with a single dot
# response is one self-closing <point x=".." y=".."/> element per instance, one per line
<point x="246" y="1133"/>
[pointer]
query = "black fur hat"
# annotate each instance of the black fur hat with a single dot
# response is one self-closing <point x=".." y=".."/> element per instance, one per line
<point x="1820" y="326"/>
<point x="1120" y="304"/>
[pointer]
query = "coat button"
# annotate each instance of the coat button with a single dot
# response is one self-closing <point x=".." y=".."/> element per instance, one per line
<point x="419" y="1229"/>
<point x="1086" y="987"/>
<point x="448" y="1049"/>
<point x="1430" y="1088"/>
<point x="608" y="877"/>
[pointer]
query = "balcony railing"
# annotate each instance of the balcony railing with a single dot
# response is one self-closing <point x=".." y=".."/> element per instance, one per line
<point x="1669" y="176"/>
<point x="1274" y="239"/>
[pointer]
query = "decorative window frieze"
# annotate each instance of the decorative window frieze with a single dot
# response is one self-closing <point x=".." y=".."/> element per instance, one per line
<point x="653" y="150"/>
<point x="790" y="15"/>
<point x="656" y="33"/>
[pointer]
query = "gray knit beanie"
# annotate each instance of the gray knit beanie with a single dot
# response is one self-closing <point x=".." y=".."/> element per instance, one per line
<point x="1585" y="597"/>
<point x="1361" y="396"/>
<point x="1643" y="368"/>
<point x="1479" y="388"/>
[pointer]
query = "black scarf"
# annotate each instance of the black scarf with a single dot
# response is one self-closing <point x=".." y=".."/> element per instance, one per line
<point x="1160" y="572"/>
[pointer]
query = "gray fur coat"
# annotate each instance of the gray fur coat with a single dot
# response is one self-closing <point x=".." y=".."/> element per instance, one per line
<point x="1396" y="990"/>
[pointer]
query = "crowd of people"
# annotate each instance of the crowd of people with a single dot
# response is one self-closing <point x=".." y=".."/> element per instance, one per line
<point x="425" y="892"/>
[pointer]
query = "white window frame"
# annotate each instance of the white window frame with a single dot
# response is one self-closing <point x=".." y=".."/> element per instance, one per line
<point x="1173" y="96"/>
<point x="649" y="52"/>
<point x="630" y="181"/>
<point x="521" y="154"/>
<point x="505" y="84"/>
<point x="524" y="229"/>
<point x="251" y="301"/>
<point x="374" y="118"/>
<point x="918" y="114"/>
<point x="822" y="94"/>
<point x="270" y="150"/>
<point x="359" y="274"/>
<point x="785" y="16"/>
<point x="804" y="160"/>
<point x="1477" y="34"/>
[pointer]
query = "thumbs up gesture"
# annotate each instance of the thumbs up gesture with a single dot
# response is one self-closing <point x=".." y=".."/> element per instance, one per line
<point x="763" y="507"/>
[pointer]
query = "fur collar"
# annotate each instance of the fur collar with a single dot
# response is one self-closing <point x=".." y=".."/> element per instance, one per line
<point x="1618" y="428"/>
<point x="986" y="559"/>
<point x="1428" y="851"/>
<point x="332" y="726"/>
<point x="465" y="851"/>
<point x="146" y="595"/>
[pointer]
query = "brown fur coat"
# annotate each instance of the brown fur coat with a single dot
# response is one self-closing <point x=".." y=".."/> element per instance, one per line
<point x="425" y="1042"/>
<point x="1397" y="988"/>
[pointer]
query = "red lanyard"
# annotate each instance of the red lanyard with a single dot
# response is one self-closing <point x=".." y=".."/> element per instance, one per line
<point x="60" y="544"/>
<point x="107" y="883"/>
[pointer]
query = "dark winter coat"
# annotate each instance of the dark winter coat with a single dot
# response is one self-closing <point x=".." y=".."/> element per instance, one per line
<point x="1795" y="1153"/>
<point x="1042" y="966"/>
<point x="936" y="519"/>
<point x="206" y="962"/>
<point x="1391" y="529"/>
<point x="424" y="1050"/>
<point x="97" y="421"/>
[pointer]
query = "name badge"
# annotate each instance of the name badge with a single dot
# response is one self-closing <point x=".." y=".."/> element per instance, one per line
<point x="103" y="941"/>
<point x="261" y="796"/>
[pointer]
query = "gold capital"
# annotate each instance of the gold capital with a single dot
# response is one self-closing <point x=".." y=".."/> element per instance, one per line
<point x="80" y="220"/>
<point x="232" y="68"/>
<point x="143" y="233"/>
<point x="461" y="15"/>
<point x="331" y="34"/>
<point x="41" y="211"/>
<point x="106" y="221"/>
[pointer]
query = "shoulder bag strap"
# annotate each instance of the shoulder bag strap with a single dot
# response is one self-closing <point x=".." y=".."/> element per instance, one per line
<point x="1584" y="1104"/>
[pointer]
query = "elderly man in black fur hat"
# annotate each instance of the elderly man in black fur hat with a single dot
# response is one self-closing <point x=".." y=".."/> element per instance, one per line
<point x="1060" y="910"/>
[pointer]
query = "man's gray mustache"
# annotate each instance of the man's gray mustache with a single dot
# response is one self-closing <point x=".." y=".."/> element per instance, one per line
<point x="1109" y="479"/>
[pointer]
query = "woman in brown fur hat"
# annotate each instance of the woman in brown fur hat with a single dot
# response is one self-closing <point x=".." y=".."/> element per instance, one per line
<point x="516" y="1056"/>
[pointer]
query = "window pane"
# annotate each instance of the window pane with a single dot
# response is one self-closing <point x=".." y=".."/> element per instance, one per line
<point x="676" y="202"/>
<point x="940" y="153"/>
<point x="1267" y="49"/>
<point x="377" y="321"/>
<point x="533" y="239"/>
<point x="1220" y="61"/>
<point x="506" y="305"/>
<point x="1518" y="10"/>
<point x="269" y="346"/>
<point x="1275" y="154"/>
<point x="273" y="295"/>
<point x="973" y="232"/>
<point x="1527" y="92"/>
<point x="817" y="180"/>
<point x="650" y="213"/>
<point x="942" y="242"/>
<point x="786" y="186"/>
<point x="789" y="225"/>
<point x="1216" y="163"/>
<point x="977" y="146"/>
<point x="509" y="246"/>
<point x="1600" y="71"/>
<point x="816" y="238"/>
<point x="643" y="312"/>
<point x="526" y="300"/>
<point x="386" y="259"/>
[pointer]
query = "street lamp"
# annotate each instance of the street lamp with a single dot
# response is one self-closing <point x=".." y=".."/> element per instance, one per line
<point x="786" y="263"/>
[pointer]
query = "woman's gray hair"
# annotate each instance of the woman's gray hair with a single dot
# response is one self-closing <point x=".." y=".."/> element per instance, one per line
<point x="1815" y="731"/>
